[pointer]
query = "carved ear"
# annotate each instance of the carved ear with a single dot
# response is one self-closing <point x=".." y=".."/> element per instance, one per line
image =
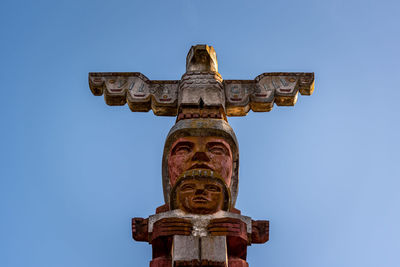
<point x="260" y="232"/>
<point x="140" y="229"/>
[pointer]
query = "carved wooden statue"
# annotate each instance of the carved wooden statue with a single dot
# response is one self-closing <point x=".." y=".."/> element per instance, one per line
<point x="198" y="225"/>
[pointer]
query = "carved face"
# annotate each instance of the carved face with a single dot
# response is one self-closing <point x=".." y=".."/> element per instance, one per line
<point x="197" y="152"/>
<point x="200" y="196"/>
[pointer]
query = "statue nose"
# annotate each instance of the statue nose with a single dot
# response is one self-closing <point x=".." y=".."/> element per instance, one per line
<point x="200" y="191"/>
<point x="200" y="156"/>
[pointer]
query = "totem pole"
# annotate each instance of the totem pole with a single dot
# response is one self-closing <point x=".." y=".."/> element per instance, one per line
<point x="198" y="225"/>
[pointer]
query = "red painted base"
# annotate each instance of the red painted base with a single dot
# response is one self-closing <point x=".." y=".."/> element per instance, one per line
<point x="160" y="262"/>
<point x="235" y="230"/>
<point x="164" y="262"/>
<point x="237" y="263"/>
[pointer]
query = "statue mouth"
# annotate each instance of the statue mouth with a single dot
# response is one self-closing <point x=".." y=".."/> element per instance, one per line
<point x="200" y="200"/>
<point x="200" y="166"/>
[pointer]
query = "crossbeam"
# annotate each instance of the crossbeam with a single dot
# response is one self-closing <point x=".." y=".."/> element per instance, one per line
<point x="201" y="86"/>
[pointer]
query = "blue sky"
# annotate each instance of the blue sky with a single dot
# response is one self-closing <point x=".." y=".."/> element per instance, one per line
<point x="74" y="170"/>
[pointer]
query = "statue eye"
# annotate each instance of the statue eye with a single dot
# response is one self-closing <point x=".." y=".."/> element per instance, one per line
<point x="187" y="187"/>
<point x="183" y="148"/>
<point x="213" y="188"/>
<point x="217" y="149"/>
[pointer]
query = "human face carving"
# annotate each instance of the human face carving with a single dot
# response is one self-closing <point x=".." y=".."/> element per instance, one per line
<point x="200" y="196"/>
<point x="197" y="152"/>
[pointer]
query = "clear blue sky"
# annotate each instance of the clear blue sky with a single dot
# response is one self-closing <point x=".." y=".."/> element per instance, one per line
<point x="74" y="171"/>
